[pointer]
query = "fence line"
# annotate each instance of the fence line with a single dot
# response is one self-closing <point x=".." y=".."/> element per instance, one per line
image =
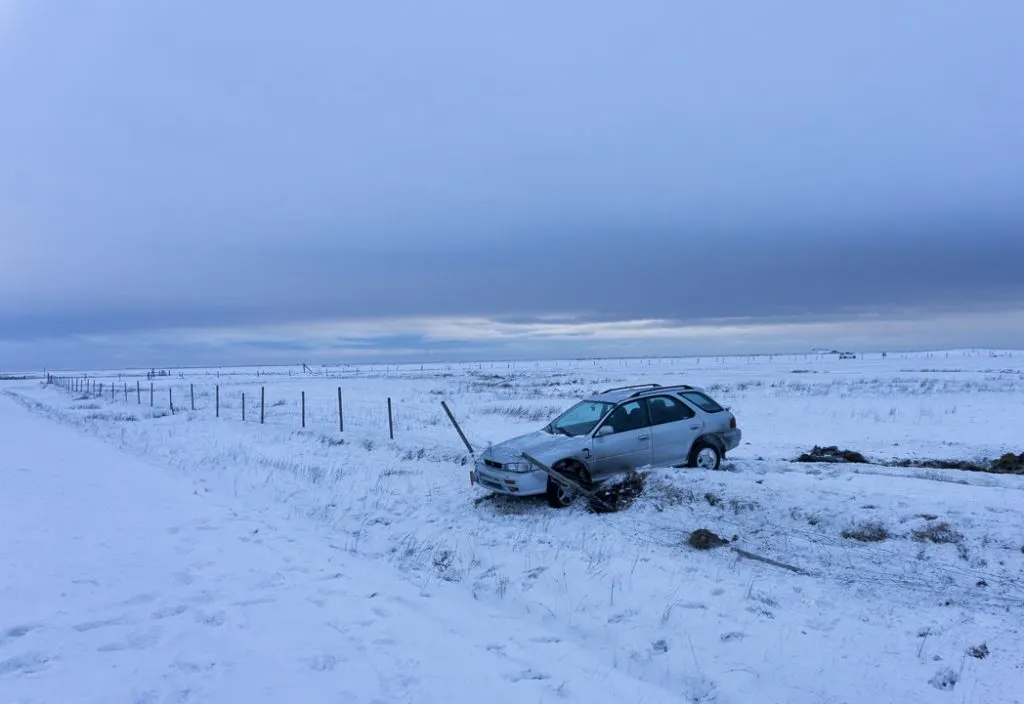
<point x="93" y="388"/>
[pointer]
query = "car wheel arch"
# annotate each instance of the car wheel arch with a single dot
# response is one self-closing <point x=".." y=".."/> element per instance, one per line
<point x="707" y="439"/>
<point x="571" y="462"/>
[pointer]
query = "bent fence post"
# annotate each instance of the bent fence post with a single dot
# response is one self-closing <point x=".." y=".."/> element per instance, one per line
<point x="458" y="428"/>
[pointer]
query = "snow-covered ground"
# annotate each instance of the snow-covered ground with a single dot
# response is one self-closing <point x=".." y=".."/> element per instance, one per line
<point x="258" y="546"/>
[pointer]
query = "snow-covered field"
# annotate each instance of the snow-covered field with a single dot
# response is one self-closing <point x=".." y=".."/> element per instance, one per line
<point x="183" y="557"/>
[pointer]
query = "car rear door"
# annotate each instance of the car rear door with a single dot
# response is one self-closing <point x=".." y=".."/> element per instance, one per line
<point x="627" y="447"/>
<point x="674" y="427"/>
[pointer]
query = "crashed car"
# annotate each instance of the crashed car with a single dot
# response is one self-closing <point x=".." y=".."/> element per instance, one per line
<point x="606" y="436"/>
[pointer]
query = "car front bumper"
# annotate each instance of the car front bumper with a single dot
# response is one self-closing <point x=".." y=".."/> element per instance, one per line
<point x="510" y="483"/>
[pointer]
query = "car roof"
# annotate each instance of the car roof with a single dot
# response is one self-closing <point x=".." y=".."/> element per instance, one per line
<point x="620" y="394"/>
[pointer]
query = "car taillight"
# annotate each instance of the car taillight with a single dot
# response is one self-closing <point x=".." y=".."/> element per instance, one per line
<point x="732" y="421"/>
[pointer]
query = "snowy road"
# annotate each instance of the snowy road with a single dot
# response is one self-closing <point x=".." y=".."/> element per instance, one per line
<point x="123" y="582"/>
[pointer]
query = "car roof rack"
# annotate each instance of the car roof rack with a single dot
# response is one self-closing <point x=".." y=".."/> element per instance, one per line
<point x="632" y="386"/>
<point x="673" y="387"/>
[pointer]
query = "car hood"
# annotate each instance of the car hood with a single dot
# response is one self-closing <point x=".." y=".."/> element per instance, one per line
<point x="543" y="446"/>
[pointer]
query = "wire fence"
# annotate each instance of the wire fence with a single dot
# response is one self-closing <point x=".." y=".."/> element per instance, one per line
<point x="231" y="402"/>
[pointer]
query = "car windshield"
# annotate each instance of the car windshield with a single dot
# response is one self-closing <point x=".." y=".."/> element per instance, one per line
<point x="581" y="418"/>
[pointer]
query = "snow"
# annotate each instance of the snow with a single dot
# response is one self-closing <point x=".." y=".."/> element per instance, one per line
<point x="159" y="557"/>
<point x="123" y="583"/>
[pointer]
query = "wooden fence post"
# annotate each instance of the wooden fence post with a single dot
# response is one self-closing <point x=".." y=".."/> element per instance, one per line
<point x="262" y="397"/>
<point x="170" y="399"/>
<point x="217" y="394"/>
<point x="243" y="405"/>
<point x="101" y="389"/>
<point x="391" y="425"/>
<point x="138" y="392"/>
<point x="458" y="428"/>
<point x="341" y="416"/>
<point x="192" y="395"/>
<point x="303" y="409"/>
<point x="126" y="392"/>
<point x="111" y="391"/>
<point x="151" y="394"/>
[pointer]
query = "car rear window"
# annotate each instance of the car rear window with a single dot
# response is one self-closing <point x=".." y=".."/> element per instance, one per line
<point x="702" y="401"/>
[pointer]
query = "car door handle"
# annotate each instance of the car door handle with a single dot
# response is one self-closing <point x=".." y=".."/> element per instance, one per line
<point x="694" y="427"/>
<point x="644" y="437"/>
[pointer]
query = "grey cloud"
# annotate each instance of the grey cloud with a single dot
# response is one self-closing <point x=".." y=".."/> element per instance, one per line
<point x="196" y="164"/>
<point x="610" y="276"/>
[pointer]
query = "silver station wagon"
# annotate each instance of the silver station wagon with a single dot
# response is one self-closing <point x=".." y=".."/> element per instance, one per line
<point x="608" y="435"/>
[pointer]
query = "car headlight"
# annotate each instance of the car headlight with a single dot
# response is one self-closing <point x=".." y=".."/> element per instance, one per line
<point x="519" y="467"/>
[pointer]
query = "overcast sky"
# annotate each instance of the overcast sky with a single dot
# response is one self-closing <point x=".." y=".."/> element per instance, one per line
<point x="197" y="182"/>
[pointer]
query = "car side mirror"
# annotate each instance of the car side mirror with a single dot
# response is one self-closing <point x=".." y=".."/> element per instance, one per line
<point x="605" y="430"/>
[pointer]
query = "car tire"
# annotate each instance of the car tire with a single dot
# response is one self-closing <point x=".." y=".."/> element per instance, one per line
<point x="705" y="456"/>
<point x="559" y="496"/>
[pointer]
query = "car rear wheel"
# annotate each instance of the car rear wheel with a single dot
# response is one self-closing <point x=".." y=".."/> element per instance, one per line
<point x="705" y="456"/>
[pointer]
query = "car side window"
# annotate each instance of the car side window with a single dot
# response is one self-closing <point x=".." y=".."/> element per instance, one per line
<point x="702" y="401"/>
<point x="664" y="409"/>
<point x="628" y="416"/>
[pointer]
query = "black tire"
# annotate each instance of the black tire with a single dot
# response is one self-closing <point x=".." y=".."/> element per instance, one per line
<point x="705" y="456"/>
<point x="559" y="496"/>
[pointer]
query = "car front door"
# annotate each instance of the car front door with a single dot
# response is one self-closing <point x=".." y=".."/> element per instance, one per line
<point x="674" y="427"/>
<point x="622" y="442"/>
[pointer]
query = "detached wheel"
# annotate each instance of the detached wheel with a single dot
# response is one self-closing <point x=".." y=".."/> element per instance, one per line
<point x="705" y="456"/>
